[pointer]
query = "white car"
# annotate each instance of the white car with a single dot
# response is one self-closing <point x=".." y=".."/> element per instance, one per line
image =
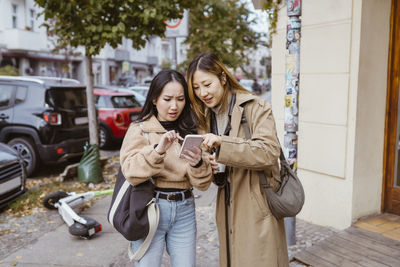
<point x="140" y="88"/>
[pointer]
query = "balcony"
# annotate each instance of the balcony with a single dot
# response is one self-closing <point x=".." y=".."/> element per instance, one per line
<point x="18" y="40"/>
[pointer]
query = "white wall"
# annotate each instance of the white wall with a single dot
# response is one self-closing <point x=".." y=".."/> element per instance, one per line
<point x="371" y="108"/>
<point x="339" y="185"/>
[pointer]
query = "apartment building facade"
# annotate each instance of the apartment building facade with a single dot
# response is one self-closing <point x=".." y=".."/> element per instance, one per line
<point x="26" y="46"/>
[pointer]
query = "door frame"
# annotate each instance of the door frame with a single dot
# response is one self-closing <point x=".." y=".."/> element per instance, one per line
<point x="391" y="195"/>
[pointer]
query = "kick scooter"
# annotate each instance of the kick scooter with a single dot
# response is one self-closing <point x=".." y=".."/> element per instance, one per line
<point x="81" y="226"/>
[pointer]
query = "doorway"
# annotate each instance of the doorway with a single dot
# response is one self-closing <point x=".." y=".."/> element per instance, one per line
<point x="391" y="195"/>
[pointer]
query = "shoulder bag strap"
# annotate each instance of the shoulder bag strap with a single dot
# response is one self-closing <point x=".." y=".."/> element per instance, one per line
<point x="153" y="215"/>
<point x="261" y="174"/>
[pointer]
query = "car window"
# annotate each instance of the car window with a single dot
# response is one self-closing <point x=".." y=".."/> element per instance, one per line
<point x="101" y="102"/>
<point x="125" y="102"/>
<point x="66" y="98"/>
<point x="5" y="95"/>
<point x="21" y="94"/>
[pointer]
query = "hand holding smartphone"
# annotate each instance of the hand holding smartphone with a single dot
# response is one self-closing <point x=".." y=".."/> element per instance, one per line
<point x="191" y="140"/>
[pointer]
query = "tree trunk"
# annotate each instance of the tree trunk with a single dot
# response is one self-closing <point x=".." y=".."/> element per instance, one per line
<point x="93" y="128"/>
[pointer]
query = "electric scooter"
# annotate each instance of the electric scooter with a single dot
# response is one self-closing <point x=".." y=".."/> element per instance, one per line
<point x="81" y="226"/>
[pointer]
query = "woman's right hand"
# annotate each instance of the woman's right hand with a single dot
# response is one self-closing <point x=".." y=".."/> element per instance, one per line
<point x="166" y="141"/>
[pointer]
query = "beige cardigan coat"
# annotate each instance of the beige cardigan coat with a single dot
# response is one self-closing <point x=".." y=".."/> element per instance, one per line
<point x="257" y="238"/>
<point x="139" y="160"/>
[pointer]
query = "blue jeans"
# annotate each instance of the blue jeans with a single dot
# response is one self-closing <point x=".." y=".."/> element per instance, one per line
<point x="177" y="230"/>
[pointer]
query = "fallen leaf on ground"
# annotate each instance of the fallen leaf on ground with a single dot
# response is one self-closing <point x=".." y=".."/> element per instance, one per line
<point x="31" y="203"/>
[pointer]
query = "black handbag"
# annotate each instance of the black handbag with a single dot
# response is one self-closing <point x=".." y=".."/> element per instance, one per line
<point x="288" y="200"/>
<point x="133" y="212"/>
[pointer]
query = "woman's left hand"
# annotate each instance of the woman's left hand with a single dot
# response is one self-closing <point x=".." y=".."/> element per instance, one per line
<point x="192" y="156"/>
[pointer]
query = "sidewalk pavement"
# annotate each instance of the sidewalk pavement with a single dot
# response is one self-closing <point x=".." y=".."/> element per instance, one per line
<point x="106" y="248"/>
<point x="59" y="248"/>
<point x="109" y="249"/>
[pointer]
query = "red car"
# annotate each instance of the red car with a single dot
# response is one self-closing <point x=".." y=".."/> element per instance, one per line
<point x="116" y="110"/>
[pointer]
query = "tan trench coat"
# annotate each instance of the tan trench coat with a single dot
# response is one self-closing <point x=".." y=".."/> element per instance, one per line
<point x="257" y="238"/>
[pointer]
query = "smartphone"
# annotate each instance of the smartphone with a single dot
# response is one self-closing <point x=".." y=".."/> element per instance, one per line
<point x="191" y="140"/>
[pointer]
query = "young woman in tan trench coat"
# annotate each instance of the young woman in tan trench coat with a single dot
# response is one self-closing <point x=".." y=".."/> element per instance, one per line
<point x="249" y="234"/>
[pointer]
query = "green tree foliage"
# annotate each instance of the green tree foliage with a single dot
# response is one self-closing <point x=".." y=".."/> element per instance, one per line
<point x="222" y="27"/>
<point x="272" y="9"/>
<point x="94" y="23"/>
<point x="165" y="64"/>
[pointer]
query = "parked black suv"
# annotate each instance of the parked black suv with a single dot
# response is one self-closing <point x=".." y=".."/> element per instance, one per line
<point x="43" y="118"/>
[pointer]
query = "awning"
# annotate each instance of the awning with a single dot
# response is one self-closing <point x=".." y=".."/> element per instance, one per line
<point x="40" y="57"/>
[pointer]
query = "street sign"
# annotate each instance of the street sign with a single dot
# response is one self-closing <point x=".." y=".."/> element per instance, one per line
<point x="177" y="27"/>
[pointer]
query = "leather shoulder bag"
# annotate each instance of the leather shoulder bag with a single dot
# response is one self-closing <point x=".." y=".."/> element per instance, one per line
<point x="288" y="200"/>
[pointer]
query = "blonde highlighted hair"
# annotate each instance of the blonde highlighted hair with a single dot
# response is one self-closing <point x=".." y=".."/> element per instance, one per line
<point x="209" y="62"/>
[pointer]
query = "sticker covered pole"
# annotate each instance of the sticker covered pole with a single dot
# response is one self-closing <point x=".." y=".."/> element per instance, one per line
<point x="292" y="78"/>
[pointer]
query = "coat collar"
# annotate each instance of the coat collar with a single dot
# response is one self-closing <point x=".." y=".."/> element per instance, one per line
<point x="152" y="125"/>
<point x="241" y="100"/>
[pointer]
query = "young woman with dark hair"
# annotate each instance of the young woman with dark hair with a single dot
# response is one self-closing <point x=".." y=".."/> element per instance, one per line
<point x="249" y="235"/>
<point x="166" y="119"/>
<point x="185" y="123"/>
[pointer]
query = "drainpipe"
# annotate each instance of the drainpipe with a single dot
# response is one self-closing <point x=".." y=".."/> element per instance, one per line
<point x="291" y="98"/>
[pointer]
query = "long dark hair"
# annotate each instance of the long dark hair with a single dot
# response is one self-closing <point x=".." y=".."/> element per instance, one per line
<point x="186" y="123"/>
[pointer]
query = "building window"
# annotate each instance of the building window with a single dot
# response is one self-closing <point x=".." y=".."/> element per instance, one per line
<point x="14" y="15"/>
<point x="32" y="19"/>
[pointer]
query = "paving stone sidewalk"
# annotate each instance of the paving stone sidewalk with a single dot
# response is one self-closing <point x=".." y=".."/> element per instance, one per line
<point x="307" y="235"/>
<point x="33" y="234"/>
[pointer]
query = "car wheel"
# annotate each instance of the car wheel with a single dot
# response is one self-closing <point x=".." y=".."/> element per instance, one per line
<point x="27" y="152"/>
<point x="104" y="137"/>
